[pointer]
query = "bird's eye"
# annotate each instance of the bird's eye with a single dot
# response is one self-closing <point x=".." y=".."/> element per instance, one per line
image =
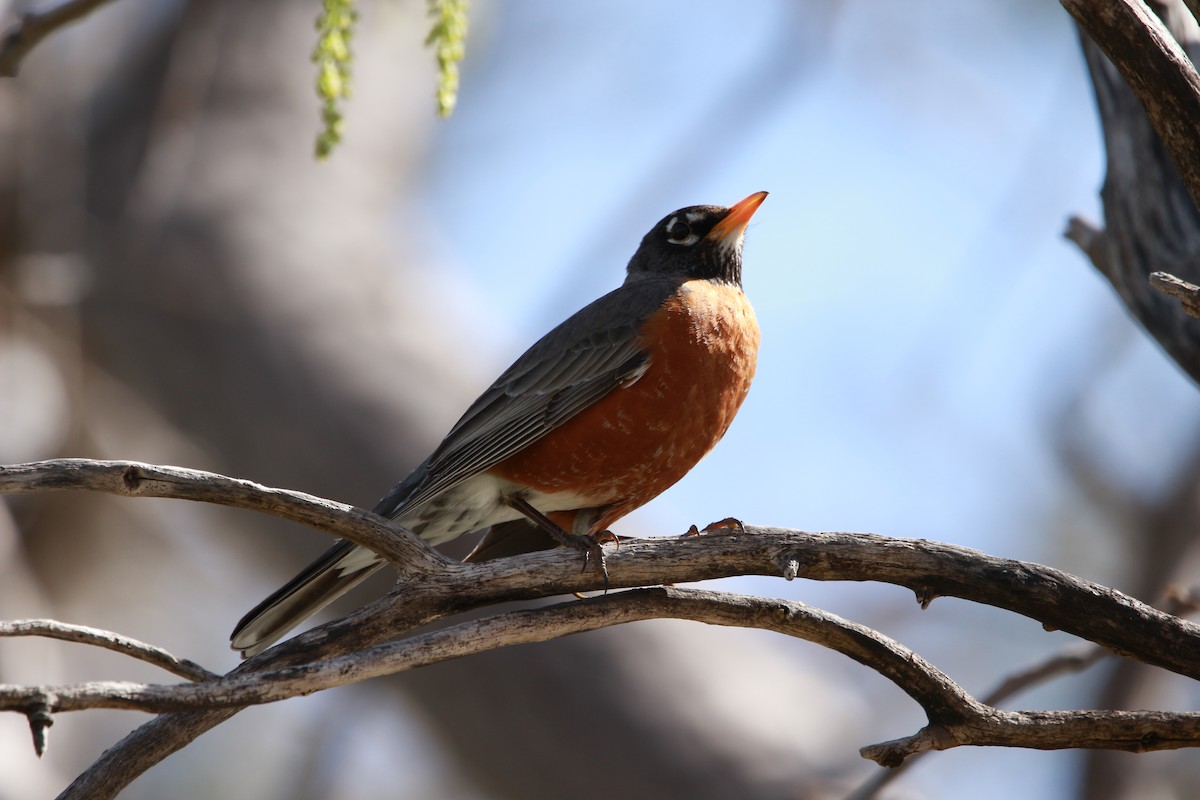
<point x="679" y="232"/>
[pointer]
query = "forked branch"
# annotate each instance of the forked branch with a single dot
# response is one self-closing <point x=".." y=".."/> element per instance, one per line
<point x="377" y="639"/>
<point x="955" y="718"/>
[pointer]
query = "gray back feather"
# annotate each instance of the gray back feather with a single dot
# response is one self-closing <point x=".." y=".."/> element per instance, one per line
<point x="567" y="370"/>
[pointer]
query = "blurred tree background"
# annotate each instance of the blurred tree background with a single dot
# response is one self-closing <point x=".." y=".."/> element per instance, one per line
<point x="180" y="282"/>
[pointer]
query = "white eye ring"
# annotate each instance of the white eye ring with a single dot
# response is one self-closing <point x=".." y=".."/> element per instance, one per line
<point x="684" y="237"/>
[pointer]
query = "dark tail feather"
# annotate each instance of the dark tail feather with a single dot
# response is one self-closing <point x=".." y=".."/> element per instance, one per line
<point x="511" y="539"/>
<point x="342" y="568"/>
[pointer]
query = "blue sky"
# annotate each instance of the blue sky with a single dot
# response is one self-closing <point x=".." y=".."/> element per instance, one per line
<point x="908" y="270"/>
<point x="927" y="331"/>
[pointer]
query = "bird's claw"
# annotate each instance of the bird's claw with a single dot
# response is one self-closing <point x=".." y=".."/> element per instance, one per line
<point x="592" y="551"/>
<point x="729" y="523"/>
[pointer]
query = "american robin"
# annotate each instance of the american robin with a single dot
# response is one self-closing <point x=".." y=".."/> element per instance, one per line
<point x="603" y="414"/>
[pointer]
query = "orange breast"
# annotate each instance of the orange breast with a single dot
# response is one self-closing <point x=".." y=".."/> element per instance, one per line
<point x="641" y="438"/>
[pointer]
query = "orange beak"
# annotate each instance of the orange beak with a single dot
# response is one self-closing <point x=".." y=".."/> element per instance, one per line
<point x="737" y="219"/>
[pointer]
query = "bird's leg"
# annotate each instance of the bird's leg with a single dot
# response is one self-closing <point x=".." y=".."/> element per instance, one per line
<point x="590" y="548"/>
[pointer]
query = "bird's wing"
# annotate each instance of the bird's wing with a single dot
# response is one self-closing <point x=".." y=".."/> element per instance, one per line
<point x="566" y="371"/>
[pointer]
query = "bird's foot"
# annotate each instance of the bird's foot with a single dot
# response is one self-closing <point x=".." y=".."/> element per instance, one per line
<point x="729" y="523"/>
<point x="588" y="545"/>
<point x="604" y="537"/>
<point x="593" y="551"/>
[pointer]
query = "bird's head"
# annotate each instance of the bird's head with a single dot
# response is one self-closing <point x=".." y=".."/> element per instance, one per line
<point x="697" y="242"/>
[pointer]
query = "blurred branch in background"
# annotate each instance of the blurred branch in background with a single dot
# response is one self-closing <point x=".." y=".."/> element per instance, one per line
<point x="34" y="26"/>
<point x="1150" y="219"/>
<point x="1152" y="61"/>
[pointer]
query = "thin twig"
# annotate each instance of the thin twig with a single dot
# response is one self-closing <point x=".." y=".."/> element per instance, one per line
<point x="32" y="27"/>
<point x="108" y="640"/>
<point x="1069" y="660"/>
<point x="135" y="479"/>
<point x="1129" y="731"/>
<point x="929" y="687"/>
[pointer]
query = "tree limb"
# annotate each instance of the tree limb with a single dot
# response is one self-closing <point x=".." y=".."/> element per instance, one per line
<point x="956" y="719"/>
<point x="440" y="586"/>
<point x="941" y="698"/>
<point x="1071" y="659"/>
<point x="1131" y="731"/>
<point x="363" y="644"/>
<point x="22" y="37"/>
